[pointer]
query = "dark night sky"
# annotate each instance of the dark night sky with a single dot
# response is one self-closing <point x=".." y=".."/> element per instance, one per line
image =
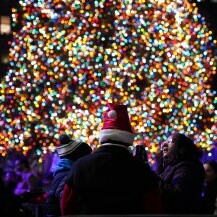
<point x="208" y="9"/>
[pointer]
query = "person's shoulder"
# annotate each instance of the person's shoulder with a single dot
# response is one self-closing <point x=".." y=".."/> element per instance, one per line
<point x="192" y="166"/>
<point x="82" y="162"/>
<point x="191" y="163"/>
<point x="79" y="166"/>
<point x="185" y="163"/>
<point x="85" y="158"/>
<point x="143" y="167"/>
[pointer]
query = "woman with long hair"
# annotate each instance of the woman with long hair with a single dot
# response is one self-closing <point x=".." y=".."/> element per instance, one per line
<point x="181" y="181"/>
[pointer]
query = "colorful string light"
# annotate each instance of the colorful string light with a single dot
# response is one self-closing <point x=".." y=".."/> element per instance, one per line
<point x="72" y="57"/>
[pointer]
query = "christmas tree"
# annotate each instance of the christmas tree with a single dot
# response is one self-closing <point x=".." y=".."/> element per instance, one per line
<point x="72" y="57"/>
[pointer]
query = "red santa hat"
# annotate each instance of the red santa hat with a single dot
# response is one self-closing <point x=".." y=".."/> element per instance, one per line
<point x="116" y="125"/>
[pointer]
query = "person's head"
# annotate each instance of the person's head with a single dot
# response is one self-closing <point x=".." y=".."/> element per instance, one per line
<point x="22" y="164"/>
<point x="72" y="149"/>
<point x="2" y="172"/>
<point x="10" y="176"/>
<point x="179" y="147"/>
<point x="210" y="168"/>
<point x="116" y="126"/>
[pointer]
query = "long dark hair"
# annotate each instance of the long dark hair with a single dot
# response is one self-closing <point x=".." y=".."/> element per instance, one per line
<point x="183" y="149"/>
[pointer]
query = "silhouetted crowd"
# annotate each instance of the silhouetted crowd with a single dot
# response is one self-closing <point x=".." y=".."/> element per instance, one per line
<point x="113" y="180"/>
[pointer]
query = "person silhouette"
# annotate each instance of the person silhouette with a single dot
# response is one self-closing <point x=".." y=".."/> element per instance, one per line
<point x="181" y="181"/>
<point x="111" y="180"/>
<point x="69" y="150"/>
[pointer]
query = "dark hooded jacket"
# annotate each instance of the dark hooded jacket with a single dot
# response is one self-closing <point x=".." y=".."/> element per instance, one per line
<point x="109" y="181"/>
<point x="181" y="185"/>
<point x="52" y="207"/>
<point x="209" y="197"/>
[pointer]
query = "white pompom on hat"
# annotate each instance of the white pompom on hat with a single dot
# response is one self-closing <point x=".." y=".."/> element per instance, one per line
<point x="116" y="125"/>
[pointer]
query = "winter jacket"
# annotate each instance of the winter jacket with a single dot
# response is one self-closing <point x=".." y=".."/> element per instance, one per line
<point x="209" y="197"/>
<point x="110" y="181"/>
<point x="181" y="186"/>
<point x="52" y="207"/>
